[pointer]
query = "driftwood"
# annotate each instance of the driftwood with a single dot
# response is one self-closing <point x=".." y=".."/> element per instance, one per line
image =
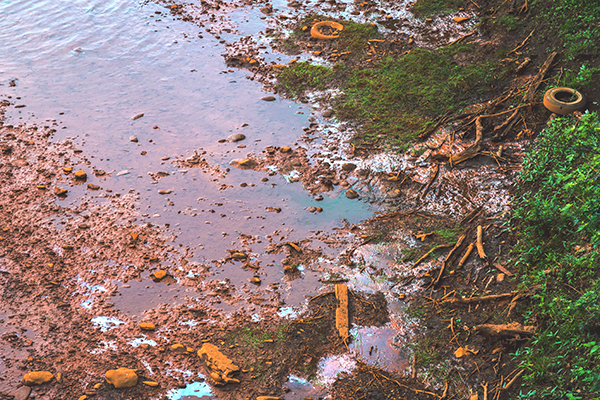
<point x="459" y="243"/>
<point x="503" y="129"/>
<point x="474" y="149"/>
<point x="535" y="84"/>
<point x="479" y="243"/>
<point x="480" y="299"/>
<point x="464" y="258"/>
<point x="507" y="330"/>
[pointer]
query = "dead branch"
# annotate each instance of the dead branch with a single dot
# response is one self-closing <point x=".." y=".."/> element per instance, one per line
<point x="464" y="258"/>
<point x="502" y="130"/>
<point x="479" y="243"/>
<point x="510" y="330"/>
<point x="480" y="299"/>
<point x="533" y="87"/>
<point x="457" y="40"/>
<point x="424" y="256"/>
<point x="502" y="269"/>
<point x="522" y="43"/>
<point x="435" y="174"/>
<point x="474" y="149"/>
<point x="523" y="65"/>
<point x="459" y="243"/>
<point x="512" y="381"/>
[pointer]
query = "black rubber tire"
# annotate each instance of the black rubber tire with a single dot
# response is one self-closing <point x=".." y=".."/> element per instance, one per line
<point x="561" y="107"/>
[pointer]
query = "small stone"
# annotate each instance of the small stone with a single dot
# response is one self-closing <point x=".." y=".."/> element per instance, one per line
<point x="268" y="98"/>
<point x="165" y="191"/>
<point x="255" y="279"/>
<point x="500" y="277"/>
<point x="133" y="139"/>
<point x="428" y="19"/>
<point x="143" y="152"/>
<point x="319" y="209"/>
<point x="285" y="149"/>
<point x="273" y="209"/>
<point x="138" y="116"/>
<point x="150" y="383"/>
<point x="243" y="184"/>
<point x="160" y="274"/>
<point x="348" y="167"/>
<point x="178" y="348"/>
<point x="268" y="398"/>
<point x="351" y="194"/>
<point x="311" y="209"/>
<point x="236" y="137"/>
<point x="121" y="173"/>
<point x="121" y="378"/>
<point x="41" y="187"/>
<point x="147" y="326"/>
<point x="83" y="226"/>
<point x="22" y="393"/>
<point x="91" y="186"/>
<point x="239" y="256"/>
<point x="81" y="175"/>
<point x="460" y="19"/>
<point x="37" y="377"/>
<point x="319" y="197"/>
<point x="83" y="397"/>
<point x="328" y="113"/>
<point x="68" y="169"/>
<point x="60" y="191"/>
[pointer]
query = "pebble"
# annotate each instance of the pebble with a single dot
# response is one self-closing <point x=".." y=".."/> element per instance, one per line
<point x="318" y="197"/>
<point x="236" y="137"/>
<point x="121" y="378"/>
<point x="91" y="186"/>
<point x="121" y="173"/>
<point x="147" y="326"/>
<point x="255" y="279"/>
<point x="138" y="116"/>
<point x="150" y="383"/>
<point x="37" y="377"/>
<point x="133" y="139"/>
<point x="285" y="149"/>
<point x="68" y="169"/>
<point x="351" y="194"/>
<point x="243" y="184"/>
<point x="328" y="113"/>
<point x="348" y="167"/>
<point x="165" y="191"/>
<point x="81" y="175"/>
<point x="268" y="98"/>
<point x="460" y="19"/>
<point x="22" y="393"/>
<point x="60" y="191"/>
<point x="159" y="274"/>
<point x="311" y="209"/>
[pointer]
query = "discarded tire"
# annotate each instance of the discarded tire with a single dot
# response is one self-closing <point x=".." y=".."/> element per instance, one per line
<point x="552" y="103"/>
<point x="314" y="31"/>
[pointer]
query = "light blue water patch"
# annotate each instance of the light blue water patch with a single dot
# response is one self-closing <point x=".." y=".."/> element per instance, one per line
<point x="140" y="341"/>
<point x="190" y="323"/>
<point x="106" y="323"/>
<point x="196" y="389"/>
<point x="287" y="312"/>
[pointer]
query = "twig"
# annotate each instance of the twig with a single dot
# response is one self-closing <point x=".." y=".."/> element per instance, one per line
<point x="512" y="381"/>
<point x="466" y="255"/>
<point x="522" y="44"/>
<point x="479" y="299"/>
<point x="479" y="244"/>
<point x="435" y="174"/>
<point x="420" y="260"/>
<point x="447" y="259"/>
<point x="474" y="149"/>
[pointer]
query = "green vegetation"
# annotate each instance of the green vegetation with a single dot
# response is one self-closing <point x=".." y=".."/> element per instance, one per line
<point x="508" y="22"/>
<point x="578" y="80"/>
<point x="396" y="98"/>
<point x="425" y="8"/>
<point x="355" y="37"/>
<point x="557" y="222"/>
<point x="253" y="338"/>
<point x="576" y="23"/>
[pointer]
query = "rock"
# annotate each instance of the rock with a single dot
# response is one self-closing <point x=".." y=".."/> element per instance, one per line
<point x="150" y="383"/>
<point x="133" y="139"/>
<point x="351" y="194"/>
<point x="60" y="192"/>
<point x="37" y="377"/>
<point x="319" y="209"/>
<point x="147" y="326"/>
<point x="319" y="197"/>
<point x="239" y="256"/>
<point x="165" y="191"/>
<point x="311" y="209"/>
<point x="22" y="393"/>
<point x="221" y="368"/>
<point x="91" y="186"/>
<point x="81" y="175"/>
<point x="348" y="167"/>
<point x="137" y="116"/>
<point x="255" y="279"/>
<point x="179" y="348"/>
<point x="460" y="19"/>
<point x="285" y="149"/>
<point x="328" y="113"/>
<point x="121" y="378"/>
<point x="121" y="173"/>
<point x="159" y="274"/>
<point x="268" y="98"/>
<point x="245" y="163"/>
<point x="273" y="209"/>
<point x="236" y="137"/>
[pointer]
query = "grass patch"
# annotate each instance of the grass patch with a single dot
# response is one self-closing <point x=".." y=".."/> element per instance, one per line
<point x="425" y="8"/>
<point x="300" y="77"/>
<point x="557" y="222"/>
<point x="576" y="23"/>
<point x="398" y="98"/>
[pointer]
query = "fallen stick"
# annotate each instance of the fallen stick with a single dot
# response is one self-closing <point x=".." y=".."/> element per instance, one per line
<point x="512" y="329"/>
<point x="522" y="44"/>
<point x="460" y="38"/>
<point x="474" y="149"/>
<point x="479" y="299"/>
<point x="424" y="256"/>
<point x="533" y="87"/>
<point x="502" y="269"/>
<point x="479" y="244"/>
<point x="512" y="381"/>
<point x="341" y="313"/>
<point x="447" y="259"/>
<point x="464" y="258"/>
<point x="435" y="174"/>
